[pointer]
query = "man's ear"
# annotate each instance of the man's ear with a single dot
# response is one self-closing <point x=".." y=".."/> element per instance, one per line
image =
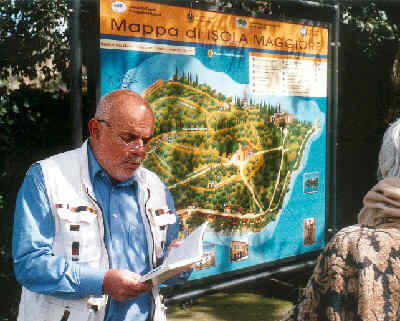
<point x="94" y="128"/>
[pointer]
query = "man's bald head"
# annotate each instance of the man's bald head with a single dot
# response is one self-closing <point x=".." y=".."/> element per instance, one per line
<point x="117" y="99"/>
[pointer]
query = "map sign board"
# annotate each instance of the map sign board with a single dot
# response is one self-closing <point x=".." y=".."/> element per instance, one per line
<point x="240" y="138"/>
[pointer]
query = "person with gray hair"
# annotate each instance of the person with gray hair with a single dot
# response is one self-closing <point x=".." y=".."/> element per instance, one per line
<point x="357" y="276"/>
<point x="389" y="154"/>
<point x="87" y="224"/>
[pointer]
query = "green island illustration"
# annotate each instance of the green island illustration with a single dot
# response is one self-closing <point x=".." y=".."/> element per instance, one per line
<point x="224" y="159"/>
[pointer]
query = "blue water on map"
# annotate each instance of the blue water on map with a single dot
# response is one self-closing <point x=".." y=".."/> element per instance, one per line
<point x="229" y="75"/>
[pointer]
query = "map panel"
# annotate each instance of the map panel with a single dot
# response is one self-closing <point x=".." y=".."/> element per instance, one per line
<point x="240" y="135"/>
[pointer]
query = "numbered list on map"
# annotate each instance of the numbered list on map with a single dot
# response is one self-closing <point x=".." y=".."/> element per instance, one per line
<point x="287" y="76"/>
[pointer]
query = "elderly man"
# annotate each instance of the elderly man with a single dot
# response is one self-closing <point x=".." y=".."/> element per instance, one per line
<point x="85" y="227"/>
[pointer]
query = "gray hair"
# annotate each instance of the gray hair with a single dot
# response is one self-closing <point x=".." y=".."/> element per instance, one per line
<point x="103" y="108"/>
<point x="389" y="154"/>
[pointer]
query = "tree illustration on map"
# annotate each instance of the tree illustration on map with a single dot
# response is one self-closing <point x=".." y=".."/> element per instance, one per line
<point x="227" y="160"/>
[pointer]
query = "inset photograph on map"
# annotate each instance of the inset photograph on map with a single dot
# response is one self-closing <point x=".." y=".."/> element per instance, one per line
<point x="239" y="250"/>
<point x="309" y="231"/>
<point x="311" y="182"/>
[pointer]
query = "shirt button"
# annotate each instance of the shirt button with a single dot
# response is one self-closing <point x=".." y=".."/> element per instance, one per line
<point x="115" y="215"/>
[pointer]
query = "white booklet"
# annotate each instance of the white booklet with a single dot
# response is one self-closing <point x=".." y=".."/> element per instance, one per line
<point x="179" y="258"/>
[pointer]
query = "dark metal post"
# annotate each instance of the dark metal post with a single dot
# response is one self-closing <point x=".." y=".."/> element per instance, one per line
<point x="76" y="74"/>
<point x="332" y="129"/>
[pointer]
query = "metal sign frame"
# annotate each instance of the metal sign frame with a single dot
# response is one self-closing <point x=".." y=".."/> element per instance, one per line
<point x="281" y="266"/>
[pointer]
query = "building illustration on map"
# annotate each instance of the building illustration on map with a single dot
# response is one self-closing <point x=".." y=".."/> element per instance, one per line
<point x="309" y="231"/>
<point x="239" y="250"/>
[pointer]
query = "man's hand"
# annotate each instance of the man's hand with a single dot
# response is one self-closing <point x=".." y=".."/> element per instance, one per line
<point x="124" y="284"/>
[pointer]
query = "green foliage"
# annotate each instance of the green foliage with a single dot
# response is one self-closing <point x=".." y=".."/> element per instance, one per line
<point x="34" y="32"/>
<point x="17" y="118"/>
<point x="33" y="46"/>
<point x="33" y="125"/>
<point x="375" y="20"/>
<point x="251" y="7"/>
<point x="32" y="122"/>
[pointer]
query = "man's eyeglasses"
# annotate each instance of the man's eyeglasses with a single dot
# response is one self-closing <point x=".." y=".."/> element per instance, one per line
<point x="129" y="140"/>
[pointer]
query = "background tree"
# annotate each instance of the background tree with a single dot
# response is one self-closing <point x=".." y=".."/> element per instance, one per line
<point x="33" y="39"/>
<point x="34" y="53"/>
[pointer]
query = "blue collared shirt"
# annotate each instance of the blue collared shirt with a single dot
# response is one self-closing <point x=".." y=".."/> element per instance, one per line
<point x="125" y="238"/>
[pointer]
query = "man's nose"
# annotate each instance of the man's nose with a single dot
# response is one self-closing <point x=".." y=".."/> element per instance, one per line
<point x="138" y="144"/>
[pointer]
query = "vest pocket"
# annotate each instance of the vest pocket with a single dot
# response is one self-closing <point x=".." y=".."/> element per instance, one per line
<point x="40" y="307"/>
<point x="78" y="235"/>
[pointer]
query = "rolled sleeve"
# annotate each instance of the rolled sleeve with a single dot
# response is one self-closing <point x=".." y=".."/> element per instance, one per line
<point x="91" y="281"/>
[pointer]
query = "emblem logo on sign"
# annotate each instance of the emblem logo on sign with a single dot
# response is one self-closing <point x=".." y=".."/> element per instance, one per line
<point x="242" y="23"/>
<point x="303" y="31"/>
<point x="118" y="6"/>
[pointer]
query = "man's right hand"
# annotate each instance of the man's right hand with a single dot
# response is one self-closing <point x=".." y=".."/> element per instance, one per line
<point x="124" y="284"/>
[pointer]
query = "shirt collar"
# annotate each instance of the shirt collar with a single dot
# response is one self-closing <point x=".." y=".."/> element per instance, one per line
<point x="96" y="169"/>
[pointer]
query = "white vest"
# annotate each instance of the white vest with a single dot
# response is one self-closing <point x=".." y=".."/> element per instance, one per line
<point x="79" y="234"/>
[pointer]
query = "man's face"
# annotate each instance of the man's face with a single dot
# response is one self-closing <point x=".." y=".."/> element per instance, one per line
<point x="120" y="147"/>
